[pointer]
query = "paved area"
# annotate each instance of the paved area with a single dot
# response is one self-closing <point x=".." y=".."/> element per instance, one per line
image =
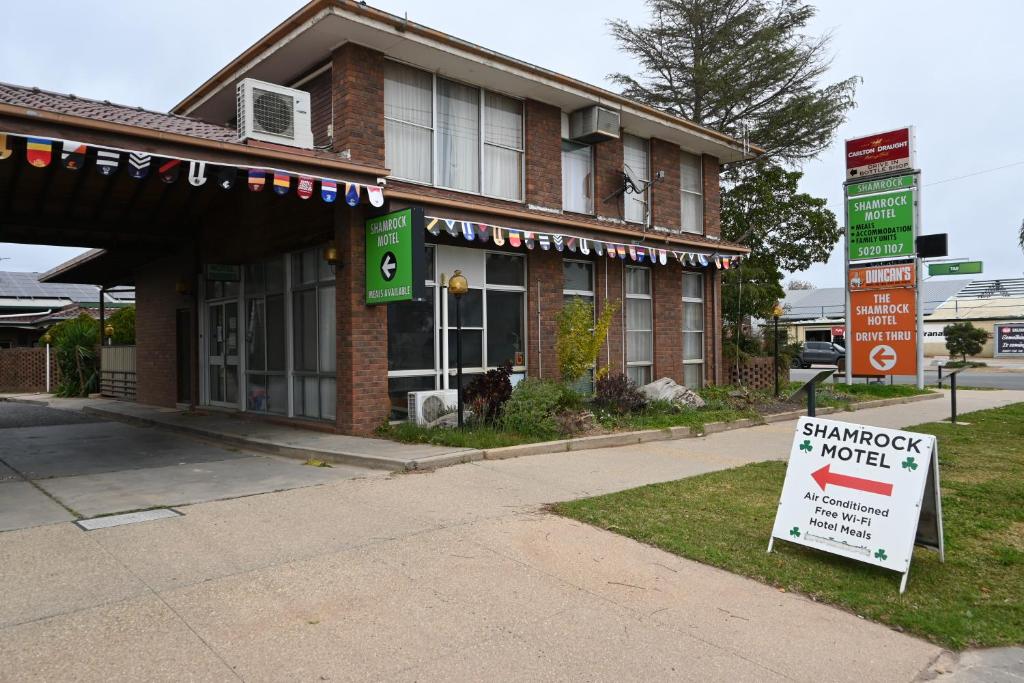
<point x="994" y="377"/>
<point x="456" y="574"/>
<point x="58" y="465"/>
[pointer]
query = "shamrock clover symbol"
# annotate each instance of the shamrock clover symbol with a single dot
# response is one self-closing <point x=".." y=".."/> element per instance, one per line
<point x="880" y="554"/>
<point x="795" y="532"/>
<point x="909" y="463"/>
<point x="806" y="446"/>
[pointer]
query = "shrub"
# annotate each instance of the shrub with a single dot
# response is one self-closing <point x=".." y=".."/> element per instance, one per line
<point x="580" y="337"/>
<point x="488" y="393"/>
<point x="75" y="343"/>
<point x="123" y="322"/>
<point x="964" y="339"/>
<point x="532" y="408"/>
<point x="618" y="393"/>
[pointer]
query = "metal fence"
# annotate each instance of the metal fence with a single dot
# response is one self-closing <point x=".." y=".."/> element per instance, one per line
<point x="117" y="374"/>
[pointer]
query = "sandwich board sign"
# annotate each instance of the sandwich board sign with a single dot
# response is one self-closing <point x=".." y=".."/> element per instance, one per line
<point x="866" y="493"/>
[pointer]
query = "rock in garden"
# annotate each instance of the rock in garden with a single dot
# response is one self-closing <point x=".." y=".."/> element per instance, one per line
<point x="665" y="389"/>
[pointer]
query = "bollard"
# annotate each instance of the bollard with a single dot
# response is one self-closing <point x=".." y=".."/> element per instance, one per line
<point x="812" y="396"/>
<point x="952" y="395"/>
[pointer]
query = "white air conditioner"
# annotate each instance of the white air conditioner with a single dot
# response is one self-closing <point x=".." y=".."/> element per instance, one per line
<point x="427" y="406"/>
<point x="594" y="124"/>
<point x="273" y="113"/>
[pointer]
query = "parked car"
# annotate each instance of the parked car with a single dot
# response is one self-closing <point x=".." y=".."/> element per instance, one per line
<point x="820" y="353"/>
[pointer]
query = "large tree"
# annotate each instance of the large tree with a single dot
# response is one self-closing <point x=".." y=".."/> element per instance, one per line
<point x="747" y="68"/>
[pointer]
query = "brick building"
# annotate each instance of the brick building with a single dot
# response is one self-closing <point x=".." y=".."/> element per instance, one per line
<point x="527" y="181"/>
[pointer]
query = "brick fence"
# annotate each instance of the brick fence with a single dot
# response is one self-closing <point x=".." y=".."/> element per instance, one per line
<point x="24" y="369"/>
<point x="755" y="373"/>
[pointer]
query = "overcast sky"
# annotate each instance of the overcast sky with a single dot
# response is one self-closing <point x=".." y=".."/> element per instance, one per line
<point x="951" y="73"/>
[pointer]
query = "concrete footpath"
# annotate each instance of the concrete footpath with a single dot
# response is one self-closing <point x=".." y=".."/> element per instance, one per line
<point x="455" y="574"/>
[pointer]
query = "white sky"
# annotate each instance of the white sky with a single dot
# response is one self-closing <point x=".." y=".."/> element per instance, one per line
<point x="952" y="73"/>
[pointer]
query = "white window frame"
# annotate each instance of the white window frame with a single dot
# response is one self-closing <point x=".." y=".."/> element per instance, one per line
<point x="694" y="300"/>
<point x="645" y="175"/>
<point x="591" y="296"/>
<point x="481" y="113"/>
<point x="683" y="194"/>
<point x="625" y="326"/>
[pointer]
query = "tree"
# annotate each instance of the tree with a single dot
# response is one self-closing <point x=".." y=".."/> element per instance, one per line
<point x="123" y="322"/>
<point x="580" y="338"/>
<point x="75" y="342"/>
<point x="964" y="339"/>
<point x="798" y="285"/>
<point x="1020" y="236"/>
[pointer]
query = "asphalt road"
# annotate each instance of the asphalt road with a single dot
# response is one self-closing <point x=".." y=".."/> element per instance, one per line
<point x="983" y="378"/>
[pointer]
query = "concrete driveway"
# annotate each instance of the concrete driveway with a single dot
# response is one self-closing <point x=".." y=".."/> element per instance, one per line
<point x="62" y="465"/>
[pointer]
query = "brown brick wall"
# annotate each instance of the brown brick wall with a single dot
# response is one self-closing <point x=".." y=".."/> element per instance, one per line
<point x="665" y="207"/>
<point x="24" y="369"/>
<point x="543" y="155"/>
<point x="712" y="197"/>
<point x="668" y="321"/>
<point x="358" y="98"/>
<point x="362" y="340"/>
<point x="756" y="373"/>
<point x="156" y="303"/>
<point x="320" y="102"/>
<point x="608" y="162"/>
<point x="544" y="274"/>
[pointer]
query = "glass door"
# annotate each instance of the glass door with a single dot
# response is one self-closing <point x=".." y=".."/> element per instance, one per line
<point x="222" y="353"/>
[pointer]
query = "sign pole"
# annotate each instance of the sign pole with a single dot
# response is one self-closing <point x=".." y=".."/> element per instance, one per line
<point x="917" y="289"/>
<point x="848" y="346"/>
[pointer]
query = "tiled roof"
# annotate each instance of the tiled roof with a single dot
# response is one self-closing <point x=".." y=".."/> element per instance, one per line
<point x="34" y="98"/>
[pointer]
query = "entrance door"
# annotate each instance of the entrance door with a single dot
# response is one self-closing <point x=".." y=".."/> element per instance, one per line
<point x="222" y="349"/>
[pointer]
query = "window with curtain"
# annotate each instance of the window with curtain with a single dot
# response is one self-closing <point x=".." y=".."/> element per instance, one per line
<point x="639" y="325"/>
<point x="408" y="122"/>
<point x="635" y="164"/>
<point x="692" y="193"/>
<point x="458" y="136"/>
<point x="577" y="177"/>
<point x="578" y="283"/>
<point x="693" y="330"/>
<point x="503" y="147"/>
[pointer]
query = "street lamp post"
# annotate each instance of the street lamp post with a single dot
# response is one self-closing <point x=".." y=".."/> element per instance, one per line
<point x="776" y="313"/>
<point x="458" y="285"/>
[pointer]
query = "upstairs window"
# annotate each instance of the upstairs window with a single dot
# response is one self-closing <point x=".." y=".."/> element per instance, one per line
<point x="440" y="132"/>
<point x="635" y="165"/>
<point x="577" y="177"/>
<point x="692" y="193"/>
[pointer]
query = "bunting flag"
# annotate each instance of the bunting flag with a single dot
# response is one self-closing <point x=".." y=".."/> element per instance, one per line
<point x="513" y="238"/>
<point x="620" y="249"/>
<point x="257" y="180"/>
<point x="570" y="244"/>
<point x="545" y="242"/>
<point x="718" y="261"/>
<point x="483" y="232"/>
<point x="599" y="247"/>
<point x="499" y="236"/>
<point x="5" y="148"/>
<point x="450" y="227"/>
<point x="107" y="161"/>
<point x="612" y="251"/>
<point x="528" y="239"/>
<point x="726" y="263"/>
<point x="376" y="195"/>
<point x="433" y="226"/>
<point x="352" y="195"/>
<point x="663" y="257"/>
<point x="703" y="259"/>
<point x="226" y="177"/>
<point x="72" y="155"/>
<point x="197" y="173"/>
<point x="138" y="165"/>
<point x="305" y="187"/>
<point x="329" y="191"/>
<point x="585" y="247"/>
<point x="468" y="233"/>
<point x="38" y="152"/>
<point x="559" y="242"/>
<point x="169" y="170"/>
<point x="282" y="183"/>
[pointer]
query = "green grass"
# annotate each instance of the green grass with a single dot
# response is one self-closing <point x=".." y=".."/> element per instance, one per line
<point x="662" y="419"/>
<point x="468" y="437"/>
<point x="975" y="599"/>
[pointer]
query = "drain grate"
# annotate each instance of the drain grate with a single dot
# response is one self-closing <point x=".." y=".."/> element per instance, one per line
<point x="127" y="518"/>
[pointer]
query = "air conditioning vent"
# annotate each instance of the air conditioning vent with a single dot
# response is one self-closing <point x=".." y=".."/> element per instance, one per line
<point x="427" y="406"/>
<point x="594" y="124"/>
<point x="273" y="113"/>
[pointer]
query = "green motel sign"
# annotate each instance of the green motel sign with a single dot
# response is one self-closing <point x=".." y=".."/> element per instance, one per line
<point x="881" y="225"/>
<point x="901" y="182"/>
<point x="960" y="268"/>
<point x="395" y="257"/>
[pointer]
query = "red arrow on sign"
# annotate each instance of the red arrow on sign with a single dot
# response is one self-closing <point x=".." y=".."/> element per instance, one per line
<point x="881" y="354"/>
<point x="824" y="478"/>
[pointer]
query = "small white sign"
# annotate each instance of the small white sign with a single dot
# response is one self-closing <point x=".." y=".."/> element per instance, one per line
<point x="856" y="490"/>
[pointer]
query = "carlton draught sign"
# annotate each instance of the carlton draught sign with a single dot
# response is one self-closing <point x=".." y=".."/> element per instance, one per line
<point x="881" y="153"/>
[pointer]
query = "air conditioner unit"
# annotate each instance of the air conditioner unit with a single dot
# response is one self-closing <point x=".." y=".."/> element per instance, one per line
<point x="273" y="113"/>
<point x="594" y="124"/>
<point x="427" y="406"/>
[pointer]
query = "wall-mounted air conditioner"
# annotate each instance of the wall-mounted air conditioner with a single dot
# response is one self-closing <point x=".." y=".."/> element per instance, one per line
<point x="427" y="406"/>
<point x="273" y="113"/>
<point x="594" y="124"/>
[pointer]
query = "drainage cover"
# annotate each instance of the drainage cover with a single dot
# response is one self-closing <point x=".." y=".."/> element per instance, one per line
<point x="127" y="518"/>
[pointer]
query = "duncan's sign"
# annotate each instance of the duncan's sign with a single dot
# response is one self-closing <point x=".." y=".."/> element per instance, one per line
<point x="880" y="153"/>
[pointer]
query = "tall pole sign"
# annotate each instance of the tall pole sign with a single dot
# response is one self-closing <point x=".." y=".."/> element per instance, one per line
<point x="883" y="219"/>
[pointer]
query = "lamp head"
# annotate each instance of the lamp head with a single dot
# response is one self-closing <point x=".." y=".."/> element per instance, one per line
<point x="458" y="284"/>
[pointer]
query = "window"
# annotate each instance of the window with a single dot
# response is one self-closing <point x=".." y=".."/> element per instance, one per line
<point x="313" y="336"/>
<point x="634" y="156"/>
<point x="579" y="284"/>
<point x="408" y="122"/>
<point x="693" y="330"/>
<point x="639" y="325"/>
<point x="692" y="199"/>
<point x="471" y="141"/>
<point x="265" y="338"/>
<point x="577" y="177"/>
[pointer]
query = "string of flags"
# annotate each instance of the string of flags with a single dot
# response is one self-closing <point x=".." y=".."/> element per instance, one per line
<point x="40" y="153"/>
<point x="517" y="238"/>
